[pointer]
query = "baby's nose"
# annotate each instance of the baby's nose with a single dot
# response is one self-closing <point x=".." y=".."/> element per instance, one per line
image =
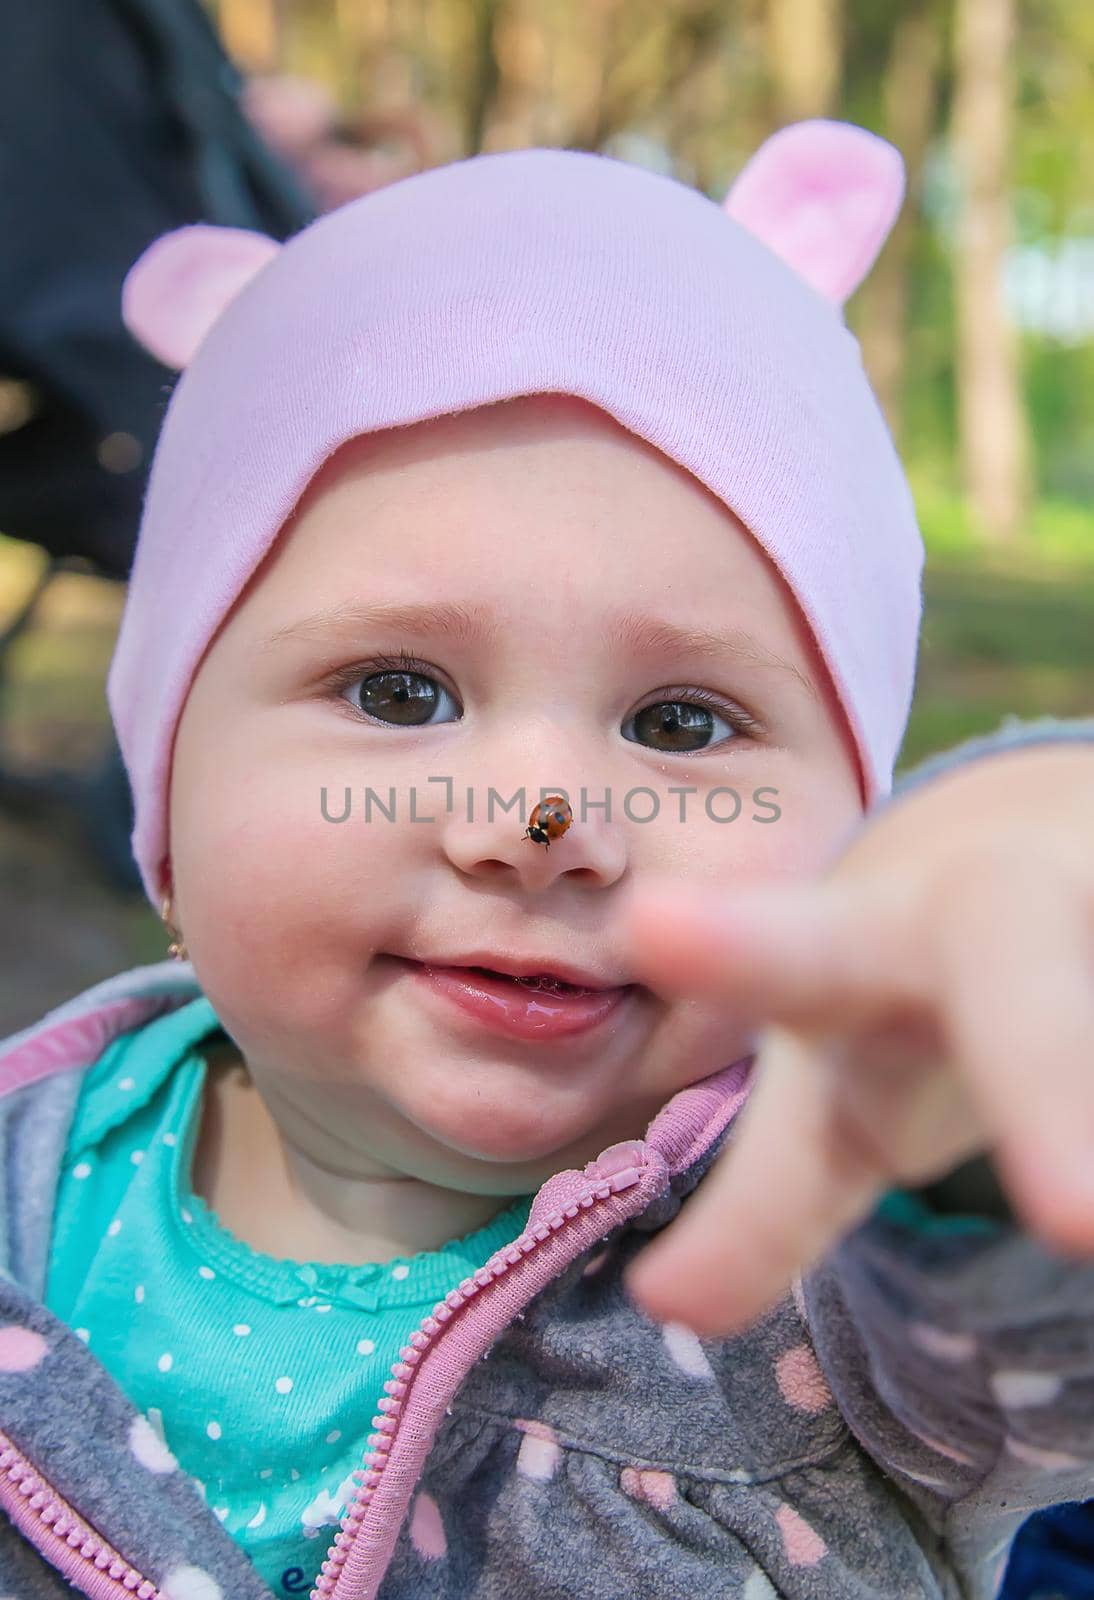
<point x="557" y="841"/>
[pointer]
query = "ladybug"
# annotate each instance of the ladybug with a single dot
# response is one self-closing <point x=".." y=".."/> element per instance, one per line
<point x="549" y="820"/>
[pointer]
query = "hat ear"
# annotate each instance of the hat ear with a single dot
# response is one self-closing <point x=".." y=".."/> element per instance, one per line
<point x="823" y="196"/>
<point x="178" y="288"/>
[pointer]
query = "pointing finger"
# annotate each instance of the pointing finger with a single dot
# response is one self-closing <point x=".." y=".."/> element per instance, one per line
<point x="1016" y="970"/>
<point x="787" y="1186"/>
<point x="808" y="955"/>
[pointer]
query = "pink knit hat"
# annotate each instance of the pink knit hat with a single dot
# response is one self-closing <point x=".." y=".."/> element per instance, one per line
<point x="715" y="332"/>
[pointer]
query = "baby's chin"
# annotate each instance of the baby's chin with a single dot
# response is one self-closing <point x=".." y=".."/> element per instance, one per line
<point x="520" y="1122"/>
<point x="522" y="1142"/>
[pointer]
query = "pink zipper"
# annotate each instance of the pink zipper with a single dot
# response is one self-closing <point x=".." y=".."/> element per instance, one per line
<point x="96" y="1568"/>
<point x="61" y="1534"/>
<point x="628" y="1159"/>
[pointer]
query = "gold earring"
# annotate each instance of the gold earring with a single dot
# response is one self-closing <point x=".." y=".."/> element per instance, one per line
<point x="177" y="951"/>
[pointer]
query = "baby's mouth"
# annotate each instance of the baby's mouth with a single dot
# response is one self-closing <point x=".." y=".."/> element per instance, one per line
<point x="541" y="982"/>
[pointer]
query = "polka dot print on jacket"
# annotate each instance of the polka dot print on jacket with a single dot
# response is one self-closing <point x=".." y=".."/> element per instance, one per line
<point x="260" y="1376"/>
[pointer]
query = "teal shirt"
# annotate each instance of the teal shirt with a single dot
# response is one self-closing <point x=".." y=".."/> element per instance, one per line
<point x="260" y="1376"/>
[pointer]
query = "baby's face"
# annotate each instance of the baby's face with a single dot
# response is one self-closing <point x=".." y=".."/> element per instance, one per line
<point x="551" y="529"/>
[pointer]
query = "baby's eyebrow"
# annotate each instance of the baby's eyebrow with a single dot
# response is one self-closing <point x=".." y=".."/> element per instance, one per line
<point x="447" y="619"/>
<point x="626" y="630"/>
<point x="653" y="636"/>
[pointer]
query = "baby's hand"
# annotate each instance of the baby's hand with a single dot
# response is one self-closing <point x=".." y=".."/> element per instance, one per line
<point x="932" y="995"/>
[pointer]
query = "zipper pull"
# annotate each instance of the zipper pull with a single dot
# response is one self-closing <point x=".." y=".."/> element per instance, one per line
<point x="621" y="1164"/>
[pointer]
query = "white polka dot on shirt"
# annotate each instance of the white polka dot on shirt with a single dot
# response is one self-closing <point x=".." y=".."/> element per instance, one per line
<point x="169" y="1138"/>
<point x="82" y="1333"/>
<point x="334" y="1435"/>
<point x="365" y="1347"/>
<point x="190" y="1583"/>
<point x="206" y="1272"/>
<point x="400" y="1272"/>
<point x="82" y="1169"/>
<point x="242" y="1329"/>
<point x="283" y="1385"/>
<point x="136" y="1156"/>
<point x="166" y="1362"/>
<point x="127" y="1083"/>
<point x="213" y="1429"/>
<point x="114" y="1228"/>
<point x="138" y="1294"/>
<point x="186" y="1217"/>
<point x="147" y="1444"/>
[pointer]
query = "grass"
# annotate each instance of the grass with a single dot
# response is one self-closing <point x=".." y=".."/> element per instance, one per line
<point x="54" y="686"/>
<point x="1004" y="631"/>
<point x="1059" y="538"/>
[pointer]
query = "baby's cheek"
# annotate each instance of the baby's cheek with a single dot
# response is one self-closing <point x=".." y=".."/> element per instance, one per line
<point x="791" y="834"/>
<point x="702" y="1036"/>
<point x="272" y="913"/>
<point x="260" y="857"/>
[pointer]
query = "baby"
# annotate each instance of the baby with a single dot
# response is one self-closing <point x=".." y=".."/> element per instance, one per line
<point x="535" y="474"/>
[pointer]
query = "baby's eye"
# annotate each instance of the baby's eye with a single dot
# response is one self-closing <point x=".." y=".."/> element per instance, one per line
<point x="400" y="692"/>
<point x="402" y="699"/>
<point x="682" y="725"/>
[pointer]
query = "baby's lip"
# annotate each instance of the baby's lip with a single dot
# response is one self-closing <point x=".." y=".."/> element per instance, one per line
<point x="532" y="966"/>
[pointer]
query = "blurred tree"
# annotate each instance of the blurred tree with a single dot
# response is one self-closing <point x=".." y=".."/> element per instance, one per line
<point x="360" y="27"/>
<point x="482" y="80"/>
<point x="519" y="44"/>
<point x="992" y="426"/>
<point x="634" y="66"/>
<point x="805" y="45"/>
<point x="251" y="30"/>
<point x="988" y="102"/>
<point x="909" y="96"/>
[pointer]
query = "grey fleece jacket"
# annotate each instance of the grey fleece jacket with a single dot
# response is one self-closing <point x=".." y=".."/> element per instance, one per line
<point x="879" y="1435"/>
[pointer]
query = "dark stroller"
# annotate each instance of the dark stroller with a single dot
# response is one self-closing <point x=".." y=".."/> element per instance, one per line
<point x="119" y="120"/>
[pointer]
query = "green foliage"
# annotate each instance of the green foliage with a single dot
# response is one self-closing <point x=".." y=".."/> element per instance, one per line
<point x="1060" y="540"/>
<point x="1009" y="634"/>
